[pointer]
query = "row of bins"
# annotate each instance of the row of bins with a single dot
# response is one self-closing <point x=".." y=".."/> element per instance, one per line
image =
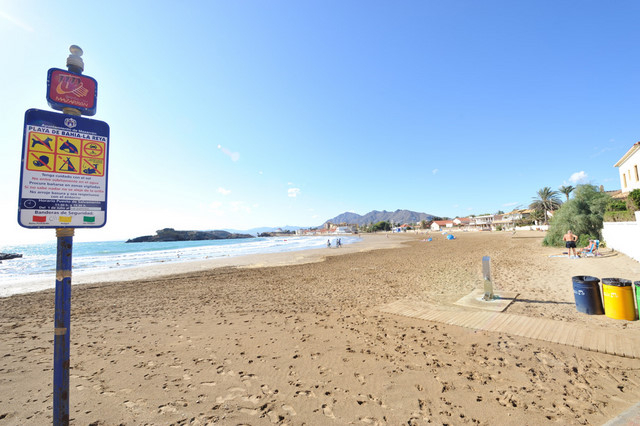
<point x="617" y="294"/>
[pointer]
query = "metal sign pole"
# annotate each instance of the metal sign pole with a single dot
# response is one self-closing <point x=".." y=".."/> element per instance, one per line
<point x="61" y="345"/>
<point x="62" y="340"/>
<point x="70" y="153"/>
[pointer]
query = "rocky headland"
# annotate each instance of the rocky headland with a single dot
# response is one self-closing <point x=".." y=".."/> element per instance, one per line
<point x="7" y="256"/>
<point x="170" y="234"/>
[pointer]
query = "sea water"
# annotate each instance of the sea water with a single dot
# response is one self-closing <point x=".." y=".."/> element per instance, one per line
<point x="38" y="261"/>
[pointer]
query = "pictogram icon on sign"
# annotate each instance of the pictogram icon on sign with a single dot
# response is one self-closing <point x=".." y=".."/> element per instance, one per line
<point x="93" y="166"/>
<point x="93" y="149"/>
<point x="69" y="83"/>
<point x="40" y="142"/>
<point x="68" y="145"/>
<point x="40" y="161"/>
<point x="67" y="164"/>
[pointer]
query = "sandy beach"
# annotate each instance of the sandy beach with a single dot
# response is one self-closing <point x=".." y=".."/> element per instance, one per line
<point x="298" y="338"/>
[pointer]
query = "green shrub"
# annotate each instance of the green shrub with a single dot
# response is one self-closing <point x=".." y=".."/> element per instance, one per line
<point x="583" y="240"/>
<point x="617" y="216"/>
<point x="525" y="222"/>
<point x="633" y="200"/>
<point x="583" y="215"/>
<point x="617" y="206"/>
<point x="381" y="226"/>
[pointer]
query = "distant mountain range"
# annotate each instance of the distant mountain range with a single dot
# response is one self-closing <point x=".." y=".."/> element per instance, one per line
<point x="375" y="216"/>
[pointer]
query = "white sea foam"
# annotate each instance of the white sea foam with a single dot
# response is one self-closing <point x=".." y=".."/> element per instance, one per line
<point x="35" y="271"/>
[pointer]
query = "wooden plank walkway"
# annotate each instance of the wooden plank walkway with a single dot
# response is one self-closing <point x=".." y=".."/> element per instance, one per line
<point x="611" y="342"/>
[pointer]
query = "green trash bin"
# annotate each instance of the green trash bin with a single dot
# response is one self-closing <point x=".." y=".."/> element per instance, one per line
<point x="637" y="289"/>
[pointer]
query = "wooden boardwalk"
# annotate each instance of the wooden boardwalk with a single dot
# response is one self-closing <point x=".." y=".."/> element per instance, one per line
<point x="611" y="342"/>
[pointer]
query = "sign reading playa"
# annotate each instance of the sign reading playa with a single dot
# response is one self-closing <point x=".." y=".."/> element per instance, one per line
<point x="63" y="182"/>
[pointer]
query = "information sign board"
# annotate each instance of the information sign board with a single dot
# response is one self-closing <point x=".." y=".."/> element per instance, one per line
<point x="63" y="176"/>
<point x="67" y="89"/>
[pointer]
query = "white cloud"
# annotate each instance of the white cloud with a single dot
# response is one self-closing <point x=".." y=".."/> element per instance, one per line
<point x="578" y="177"/>
<point x="233" y="155"/>
<point x="293" y="192"/>
<point x="215" y="205"/>
<point x="224" y="191"/>
<point x="435" y="171"/>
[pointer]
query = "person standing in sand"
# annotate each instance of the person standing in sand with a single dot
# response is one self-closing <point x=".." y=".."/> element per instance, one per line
<point x="570" y="242"/>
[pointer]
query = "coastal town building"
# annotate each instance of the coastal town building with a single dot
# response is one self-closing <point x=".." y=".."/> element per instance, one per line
<point x="516" y="215"/>
<point x="624" y="236"/>
<point x="628" y="169"/>
<point x="329" y="229"/>
<point x="438" y="225"/>
<point x="500" y="223"/>
<point x="343" y="230"/>
<point x="509" y="221"/>
<point x="484" y="222"/>
<point x="462" y="222"/>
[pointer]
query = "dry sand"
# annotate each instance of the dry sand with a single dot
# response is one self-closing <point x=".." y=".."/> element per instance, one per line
<point x="304" y="343"/>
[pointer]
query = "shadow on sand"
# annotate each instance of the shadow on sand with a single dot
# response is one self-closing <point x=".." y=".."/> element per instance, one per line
<point x="551" y="302"/>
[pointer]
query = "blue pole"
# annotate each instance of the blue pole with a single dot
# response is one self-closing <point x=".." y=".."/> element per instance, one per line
<point x="61" y="342"/>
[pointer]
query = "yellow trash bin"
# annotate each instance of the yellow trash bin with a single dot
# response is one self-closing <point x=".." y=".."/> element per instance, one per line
<point x="617" y="294"/>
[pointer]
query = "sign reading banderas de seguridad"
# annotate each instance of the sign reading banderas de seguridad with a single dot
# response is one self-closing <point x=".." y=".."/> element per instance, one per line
<point x="67" y="89"/>
<point x="63" y="180"/>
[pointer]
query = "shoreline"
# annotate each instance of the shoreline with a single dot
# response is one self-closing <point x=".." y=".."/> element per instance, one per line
<point x="165" y="269"/>
<point x="297" y="257"/>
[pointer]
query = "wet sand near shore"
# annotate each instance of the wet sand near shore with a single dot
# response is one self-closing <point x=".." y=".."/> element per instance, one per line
<point x="305" y="344"/>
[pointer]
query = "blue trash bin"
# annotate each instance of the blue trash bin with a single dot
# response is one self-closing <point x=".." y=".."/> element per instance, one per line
<point x="587" y="294"/>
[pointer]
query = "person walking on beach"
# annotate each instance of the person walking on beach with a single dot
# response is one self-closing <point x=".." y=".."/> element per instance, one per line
<point x="328" y="243"/>
<point x="570" y="242"/>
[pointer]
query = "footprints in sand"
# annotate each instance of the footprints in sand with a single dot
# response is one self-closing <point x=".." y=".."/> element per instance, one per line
<point x="307" y="393"/>
<point x="328" y="411"/>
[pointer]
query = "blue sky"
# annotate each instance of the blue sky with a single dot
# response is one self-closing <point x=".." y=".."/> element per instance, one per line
<point x="253" y="113"/>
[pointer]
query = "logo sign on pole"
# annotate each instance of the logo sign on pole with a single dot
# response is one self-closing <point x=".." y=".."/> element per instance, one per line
<point x="66" y="89"/>
<point x="63" y="177"/>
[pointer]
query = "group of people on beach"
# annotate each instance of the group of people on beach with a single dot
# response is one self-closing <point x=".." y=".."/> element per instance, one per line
<point x="570" y="240"/>
<point x="338" y="243"/>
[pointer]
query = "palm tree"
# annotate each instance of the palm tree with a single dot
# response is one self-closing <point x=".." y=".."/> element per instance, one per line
<point x="547" y="200"/>
<point x="566" y="190"/>
<point x="537" y="216"/>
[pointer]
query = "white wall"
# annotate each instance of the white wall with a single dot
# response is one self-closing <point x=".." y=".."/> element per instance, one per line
<point x="623" y="237"/>
<point x="533" y="228"/>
